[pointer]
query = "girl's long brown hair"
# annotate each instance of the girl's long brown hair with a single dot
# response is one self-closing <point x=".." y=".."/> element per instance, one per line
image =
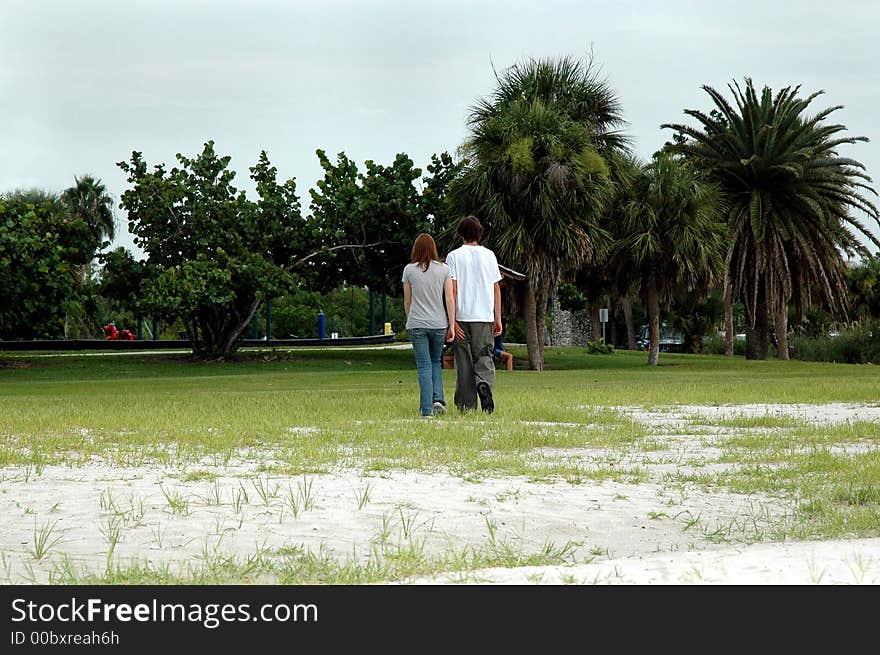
<point x="424" y="251"/>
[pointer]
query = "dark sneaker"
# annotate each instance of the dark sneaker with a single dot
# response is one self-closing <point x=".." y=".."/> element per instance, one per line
<point x="439" y="407"/>
<point x="485" y="394"/>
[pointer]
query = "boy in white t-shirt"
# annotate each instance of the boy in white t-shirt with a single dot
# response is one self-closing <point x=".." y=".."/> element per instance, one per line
<point x="475" y="277"/>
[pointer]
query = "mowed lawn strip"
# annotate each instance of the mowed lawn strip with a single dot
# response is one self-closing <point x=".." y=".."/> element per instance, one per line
<point x="355" y="407"/>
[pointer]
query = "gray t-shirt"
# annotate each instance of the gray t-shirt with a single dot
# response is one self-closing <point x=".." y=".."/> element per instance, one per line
<point x="427" y="309"/>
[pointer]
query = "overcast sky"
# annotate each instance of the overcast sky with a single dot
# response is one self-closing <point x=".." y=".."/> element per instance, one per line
<point x="85" y="82"/>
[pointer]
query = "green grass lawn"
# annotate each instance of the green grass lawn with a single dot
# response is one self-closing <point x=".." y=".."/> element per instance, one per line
<point x="362" y="404"/>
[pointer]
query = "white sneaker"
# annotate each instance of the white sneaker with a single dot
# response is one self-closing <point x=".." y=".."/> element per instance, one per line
<point x="439" y="408"/>
<point x="430" y="416"/>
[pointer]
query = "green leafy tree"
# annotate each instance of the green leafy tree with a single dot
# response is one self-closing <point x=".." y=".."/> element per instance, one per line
<point x="378" y="212"/>
<point x="121" y="287"/>
<point x="792" y="201"/>
<point x="217" y="254"/>
<point x="537" y="175"/>
<point x="674" y="236"/>
<point x="440" y="212"/>
<point x="42" y="250"/>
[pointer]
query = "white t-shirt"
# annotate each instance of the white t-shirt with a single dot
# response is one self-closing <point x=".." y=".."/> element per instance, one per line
<point x="475" y="270"/>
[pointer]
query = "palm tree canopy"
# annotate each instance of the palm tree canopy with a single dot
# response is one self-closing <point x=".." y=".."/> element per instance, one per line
<point x="791" y="195"/>
<point x="672" y="229"/>
<point x="88" y="199"/>
<point x="573" y="87"/>
<point x="537" y="169"/>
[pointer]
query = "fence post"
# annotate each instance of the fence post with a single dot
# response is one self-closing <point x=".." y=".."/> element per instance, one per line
<point x="268" y="319"/>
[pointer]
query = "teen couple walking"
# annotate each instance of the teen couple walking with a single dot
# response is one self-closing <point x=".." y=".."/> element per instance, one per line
<point x="459" y="301"/>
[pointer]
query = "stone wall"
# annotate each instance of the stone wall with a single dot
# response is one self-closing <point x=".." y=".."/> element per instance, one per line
<point x="569" y="328"/>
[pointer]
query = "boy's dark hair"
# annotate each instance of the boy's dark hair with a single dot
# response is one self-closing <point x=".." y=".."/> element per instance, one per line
<point x="469" y="229"/>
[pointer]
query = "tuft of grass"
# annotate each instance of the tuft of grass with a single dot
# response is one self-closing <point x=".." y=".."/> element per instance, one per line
<point x="177" y="503"/>
<point x="300" y="500"/>
<point x="212" y="497"/>
<point x="362" y="497"/>
<point x="266" y="490"/>
<point x="44" y="539"/>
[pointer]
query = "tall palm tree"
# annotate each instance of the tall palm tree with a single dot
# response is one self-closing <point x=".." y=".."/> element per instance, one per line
<point x="88" y="199"/>
<point x="791" y="199"/>
<point x="609" y="280"/>
<point x="674" y="235"/>
<point x="536" y="175"/>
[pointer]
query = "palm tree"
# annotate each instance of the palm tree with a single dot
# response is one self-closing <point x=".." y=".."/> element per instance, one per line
<point x="791" y="199"/>
<point x="673" y="235"/>
<point x="608" y="280"/>
<point x="863" y="280"/>
<point x="696" y="317"/>
<point x="573" y="88"/>
<point x="88" y="199"/>
<point x="536" y="175"/>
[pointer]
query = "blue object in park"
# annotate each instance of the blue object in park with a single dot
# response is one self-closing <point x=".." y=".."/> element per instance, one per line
<point x="322" y="325"/>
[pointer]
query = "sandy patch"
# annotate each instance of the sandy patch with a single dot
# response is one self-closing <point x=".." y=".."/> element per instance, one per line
<point x="798" y="563"/>
<point x="681" y="415"/>
<point x="439" y="511"/>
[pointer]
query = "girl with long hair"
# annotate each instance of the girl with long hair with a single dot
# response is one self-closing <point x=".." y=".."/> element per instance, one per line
<point x="429" y="320"/>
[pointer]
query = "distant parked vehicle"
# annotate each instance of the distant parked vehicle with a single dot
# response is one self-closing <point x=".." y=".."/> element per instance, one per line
<point x="671" y="340"/>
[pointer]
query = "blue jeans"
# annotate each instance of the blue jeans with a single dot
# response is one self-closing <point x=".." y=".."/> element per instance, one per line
<point x="427" y="345"/>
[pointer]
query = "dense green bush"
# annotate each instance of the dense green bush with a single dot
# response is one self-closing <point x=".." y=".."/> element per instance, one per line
<point x="346" y="310"/>
<point x="715" y="345"/>
<point x="859" y="344"/>
<point x="599" y="348"/>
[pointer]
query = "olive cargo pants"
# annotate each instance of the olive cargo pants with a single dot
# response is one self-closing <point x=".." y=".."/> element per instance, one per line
<point x="473" y="362"/>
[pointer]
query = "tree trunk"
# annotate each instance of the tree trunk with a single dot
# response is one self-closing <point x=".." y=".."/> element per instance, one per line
<point x="230" y="343"/>
<point x="530" y="316"/>
<point x="653" y="306"/>
<point x="758" y="334"/>
<point x="627" y="303"/>
<point x="612" y="329"/>
<point x="693" y="343"/>
<point x="729" y="328"/>
<point x="781" y="329"/>
<point x="595" y="325"/>
<point x="216" y="338"/>
<point x="541" y="300"/>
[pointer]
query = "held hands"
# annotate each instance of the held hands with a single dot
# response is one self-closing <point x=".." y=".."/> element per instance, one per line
<point x="458" y="333"/>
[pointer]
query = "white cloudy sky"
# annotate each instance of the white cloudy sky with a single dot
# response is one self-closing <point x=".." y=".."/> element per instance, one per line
<point x="85" y="82"/>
